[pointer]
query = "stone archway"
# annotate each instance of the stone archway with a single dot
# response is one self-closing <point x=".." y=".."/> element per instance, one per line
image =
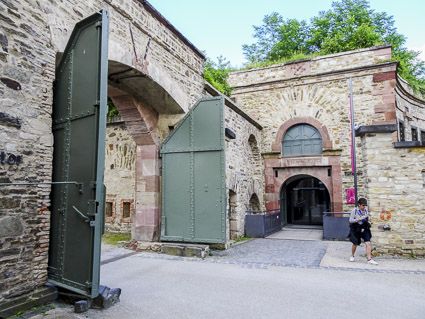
<point x="326" y="168"/>
<point x="303" y="199"/>
<point x="140" y="101"/>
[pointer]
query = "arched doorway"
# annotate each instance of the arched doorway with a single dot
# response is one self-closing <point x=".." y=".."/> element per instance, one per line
<point x="303" y="200"/>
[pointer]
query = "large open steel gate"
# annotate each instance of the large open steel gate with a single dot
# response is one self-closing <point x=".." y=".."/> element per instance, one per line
<point x="79" y="126"/>
<point x="193" y="177"/>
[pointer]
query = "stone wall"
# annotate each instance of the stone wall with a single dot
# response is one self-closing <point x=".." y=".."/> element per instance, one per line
<point x="410" y="111"/>
<point x="317" y="92"/>
<point x="27" y="62"/>
<point x="319" y="89"/>
<point x="320" y="65"/>
<point x="244" y="171"/>
<point x="395" y="184"/>
<point x="139" y="37"/>
<point x="32" y="36"/>
<point x="120" y="176"/>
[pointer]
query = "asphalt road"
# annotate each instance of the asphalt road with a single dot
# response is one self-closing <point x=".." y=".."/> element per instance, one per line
<point x="234" y="284"/>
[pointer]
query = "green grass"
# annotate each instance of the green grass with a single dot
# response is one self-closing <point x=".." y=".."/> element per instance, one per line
<point x="34" y="311"/>
<point x="298" y="56"/>
<point x="115" y="239"/>
<point x="240" y="239"/>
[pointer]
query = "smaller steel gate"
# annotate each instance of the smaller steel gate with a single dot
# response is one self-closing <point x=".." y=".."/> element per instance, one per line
<point x="193" y="176"/>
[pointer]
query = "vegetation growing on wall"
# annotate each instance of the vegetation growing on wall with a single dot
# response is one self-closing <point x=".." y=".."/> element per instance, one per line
<point x="217" y="73"/>
<point x="112" y="110"/>
<point x="348" y="25"/>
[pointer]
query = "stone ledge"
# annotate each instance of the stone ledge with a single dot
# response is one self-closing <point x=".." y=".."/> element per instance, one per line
<point x="387" y="128"/>
<point x="408" y="144"/>
<point x="38" y="297"/>
<point x="176" y="249"/>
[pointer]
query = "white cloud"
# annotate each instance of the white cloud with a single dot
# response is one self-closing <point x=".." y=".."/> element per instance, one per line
<point x="422" y="49"/>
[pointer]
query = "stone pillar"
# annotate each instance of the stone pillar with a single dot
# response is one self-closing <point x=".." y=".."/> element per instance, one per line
<point x="142" y="123"/>
<point x="146" y="226"/>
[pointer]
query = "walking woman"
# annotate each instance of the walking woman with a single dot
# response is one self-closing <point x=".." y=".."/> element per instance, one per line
<point x="360" y="228"/>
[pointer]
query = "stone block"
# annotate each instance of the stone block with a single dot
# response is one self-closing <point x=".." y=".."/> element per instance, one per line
<point x="143" y="245"/>
<point x="185" y="250"/>
<point x="81" y="306"/>
<point x="11" y="226"/>
<point x="107" y="297"/>
<point x="384" y="76"/>
<point x="384" y="107"/>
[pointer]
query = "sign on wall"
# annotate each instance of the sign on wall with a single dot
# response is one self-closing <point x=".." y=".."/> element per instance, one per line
<point x="351" y="196"/>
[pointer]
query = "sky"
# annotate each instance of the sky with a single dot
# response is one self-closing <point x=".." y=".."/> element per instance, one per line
<point x="221" y="27"/>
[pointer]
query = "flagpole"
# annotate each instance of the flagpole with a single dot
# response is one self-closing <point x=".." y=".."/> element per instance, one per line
<point x="353" y="141"/>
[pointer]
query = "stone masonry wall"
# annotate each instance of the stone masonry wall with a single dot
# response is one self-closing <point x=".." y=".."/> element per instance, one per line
<point x="244" y="170"/>
<point x="32" y="33"/>
<point x="26" y="76"/>
<point x="319" y="89"/>
<point x="120" y="175"/>
<point x="137" y="38"/>
<point x="319" y="65"/>
<point x="410" y="110"/>
<point x="395" y="183"/>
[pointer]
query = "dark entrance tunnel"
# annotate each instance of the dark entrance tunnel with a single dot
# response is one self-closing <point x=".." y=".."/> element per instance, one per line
<point x="303" y="200"/>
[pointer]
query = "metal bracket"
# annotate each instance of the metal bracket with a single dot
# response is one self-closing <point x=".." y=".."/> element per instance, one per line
<point x="86" y="219"/>
<point x="92" y="208"/>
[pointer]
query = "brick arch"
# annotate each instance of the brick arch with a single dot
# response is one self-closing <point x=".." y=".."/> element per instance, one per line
<point x="326" y="141"/>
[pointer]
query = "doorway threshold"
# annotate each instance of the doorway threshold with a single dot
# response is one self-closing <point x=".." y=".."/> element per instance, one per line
<point x="295" y="226"/>
<point x="296" y="233"/>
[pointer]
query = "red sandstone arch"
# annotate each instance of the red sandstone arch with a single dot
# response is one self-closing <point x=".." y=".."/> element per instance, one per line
<point x="141" y="121"/>
<point x="324" y="179"/>
<point x="326" y="141"/>
<point x="140" y="100"/>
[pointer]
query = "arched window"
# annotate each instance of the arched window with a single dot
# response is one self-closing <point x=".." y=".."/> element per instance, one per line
<point x="302" y="139"/>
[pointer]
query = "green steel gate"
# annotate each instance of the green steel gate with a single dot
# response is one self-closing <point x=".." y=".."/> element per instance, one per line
<point x="193" y="177"/>
<point x="79" y="126"/>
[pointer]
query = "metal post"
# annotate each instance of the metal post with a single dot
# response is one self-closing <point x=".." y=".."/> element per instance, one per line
<point x="353" y="140"/>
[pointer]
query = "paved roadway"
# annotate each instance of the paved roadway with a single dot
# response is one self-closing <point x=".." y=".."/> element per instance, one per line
<point x="261" y="278"/>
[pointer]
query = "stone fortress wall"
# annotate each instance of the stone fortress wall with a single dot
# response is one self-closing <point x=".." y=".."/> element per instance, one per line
<point x="34" y="33"/>
<point x="317" y="92"/>
<point x="120" y="178"/>
<point x="32" y="36"/>
<point x="244" y="171"/>
<point x="395" y="172"/>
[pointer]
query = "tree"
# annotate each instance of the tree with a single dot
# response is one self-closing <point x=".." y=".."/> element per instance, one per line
<point x="348" y="25"/>
<point x="217" y="73"/>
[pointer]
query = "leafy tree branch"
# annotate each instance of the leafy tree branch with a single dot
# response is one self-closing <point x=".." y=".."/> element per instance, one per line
<point x="348" y="25"/>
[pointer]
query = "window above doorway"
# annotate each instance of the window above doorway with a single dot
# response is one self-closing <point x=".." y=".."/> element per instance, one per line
<point x="302" y="139"/>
